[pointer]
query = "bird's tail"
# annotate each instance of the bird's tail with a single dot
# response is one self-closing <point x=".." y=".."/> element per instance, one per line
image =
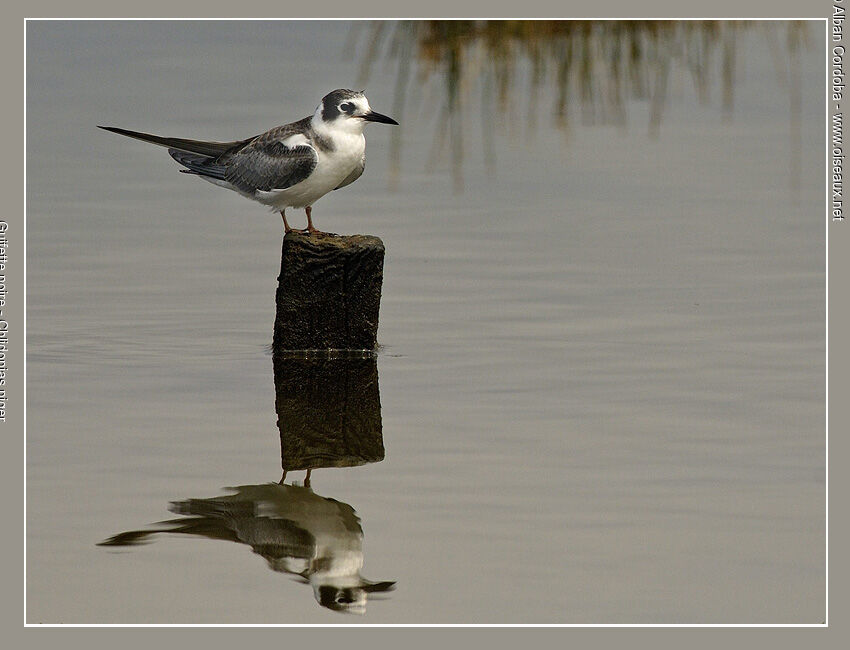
<point x="198" y="164"/>
<point x="212" y="149"/>
<point x="210" y="527"/>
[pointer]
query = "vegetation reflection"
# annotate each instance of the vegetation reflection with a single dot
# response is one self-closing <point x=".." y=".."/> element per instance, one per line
<point x="574" y="70"/>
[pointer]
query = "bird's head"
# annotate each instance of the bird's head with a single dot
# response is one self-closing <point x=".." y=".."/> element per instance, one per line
<point x="351" y="598"/>
<point x="348" y="110"/>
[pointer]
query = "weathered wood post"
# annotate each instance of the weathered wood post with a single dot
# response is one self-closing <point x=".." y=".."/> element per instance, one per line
<point x="329" y="292"/>
<point x="327" y="400"/>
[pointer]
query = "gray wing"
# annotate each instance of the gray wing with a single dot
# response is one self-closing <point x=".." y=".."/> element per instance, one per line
<point x="355" y="174"/>
<point x="262" y="163"/>
<point x="268" y="164"/>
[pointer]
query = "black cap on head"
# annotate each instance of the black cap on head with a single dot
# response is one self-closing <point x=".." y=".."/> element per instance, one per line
<point x="331" y="102"/>
<point x="338" y="598"/>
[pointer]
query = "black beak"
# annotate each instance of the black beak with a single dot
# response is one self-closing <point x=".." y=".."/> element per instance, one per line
<point x="378" y="587"/>
<point x="372" y="116"/>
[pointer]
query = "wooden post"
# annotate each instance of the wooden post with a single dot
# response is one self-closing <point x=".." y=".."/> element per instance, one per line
<point x="329" y="292"/>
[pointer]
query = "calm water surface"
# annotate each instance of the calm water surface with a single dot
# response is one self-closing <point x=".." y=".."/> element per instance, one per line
<point x="601" y="379"/>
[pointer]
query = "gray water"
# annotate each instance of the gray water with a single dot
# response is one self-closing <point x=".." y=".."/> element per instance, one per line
<point x="602" y="365"/>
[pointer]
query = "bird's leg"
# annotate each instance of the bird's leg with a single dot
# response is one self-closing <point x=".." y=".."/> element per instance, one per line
<point x="286" y="230"/>
<point x="307" y="478"/>
<point x="310" y="227"/>
<point x="286" y="227"/>
<point x="282" y="478"/>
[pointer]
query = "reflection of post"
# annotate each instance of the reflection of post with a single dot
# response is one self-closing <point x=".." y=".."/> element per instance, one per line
<point x="329" y="412"/>
<point x="329" y="292"/>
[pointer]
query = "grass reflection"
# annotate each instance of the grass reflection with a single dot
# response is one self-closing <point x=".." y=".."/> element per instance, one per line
<point x="584" y="71"/>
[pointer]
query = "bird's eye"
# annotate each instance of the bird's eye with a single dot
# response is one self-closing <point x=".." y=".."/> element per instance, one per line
<point x="348" y="107"/>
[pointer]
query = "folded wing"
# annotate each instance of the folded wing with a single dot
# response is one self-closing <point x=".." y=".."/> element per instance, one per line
<point x="269" y="162"/>
<point x="274" y="160"/>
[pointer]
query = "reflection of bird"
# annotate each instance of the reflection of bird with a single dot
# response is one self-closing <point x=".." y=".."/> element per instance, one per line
<point x="297" y="531"/>
<point x="290" y="166"/>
